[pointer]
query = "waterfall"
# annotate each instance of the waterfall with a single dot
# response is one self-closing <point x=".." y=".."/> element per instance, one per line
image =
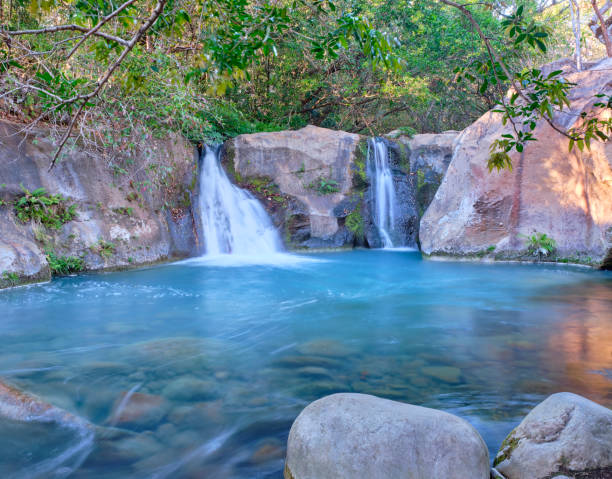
<point x="233" y="221"/>
<point x="384" y="211"/>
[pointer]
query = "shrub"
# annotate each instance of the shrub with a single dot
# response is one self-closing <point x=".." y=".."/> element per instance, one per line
<point x="324" y="186"/>
<point x="106" y="249"/>
<point x="354" y="223"/>
<point x="540" y="244"/>
<point x="64" y="265"/>
<point x="49" y="210"/>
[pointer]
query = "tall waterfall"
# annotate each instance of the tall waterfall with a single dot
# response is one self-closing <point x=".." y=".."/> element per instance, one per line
<point x="384" y="212"/>
<point x="233" y="221"/>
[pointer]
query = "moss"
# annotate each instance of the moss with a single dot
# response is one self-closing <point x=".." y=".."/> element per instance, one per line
<point x="507" y="448"/>
<point x="359" y="167"/>
<point x="287" y="474"/>
<point x="355" y="224"/>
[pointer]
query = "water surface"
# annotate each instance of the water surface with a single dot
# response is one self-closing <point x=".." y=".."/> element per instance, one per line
<point x="198" y="369"/>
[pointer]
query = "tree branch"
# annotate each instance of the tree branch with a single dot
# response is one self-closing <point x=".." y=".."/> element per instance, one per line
<point x="95" y="29"/>
<point x="148" y="23"/>
<point x="61" y="28"/>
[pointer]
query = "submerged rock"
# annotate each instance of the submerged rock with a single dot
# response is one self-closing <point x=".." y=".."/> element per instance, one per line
<point x="189" y="388"/>
<point x="564" y="434"/>
<point x="356" y="435"/>
<point x="138" y="411"/>
<point x="446" y="374"/>
<point x="38" y="439"/>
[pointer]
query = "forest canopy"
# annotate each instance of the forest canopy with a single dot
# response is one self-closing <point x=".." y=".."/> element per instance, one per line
<point x="214" y="69"/>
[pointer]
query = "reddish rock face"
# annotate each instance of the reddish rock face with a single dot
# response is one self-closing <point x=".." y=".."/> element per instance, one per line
<point x="567" y="196"/>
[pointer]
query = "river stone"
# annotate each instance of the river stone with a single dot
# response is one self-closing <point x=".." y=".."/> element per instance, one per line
<point x="447" y="374"/>
<point x="357" y="435"/>
<point x="188" y="388"/>
<point x="38" y="439"/>
<point x="565" y="434"/>
<point x="139" y="411"/>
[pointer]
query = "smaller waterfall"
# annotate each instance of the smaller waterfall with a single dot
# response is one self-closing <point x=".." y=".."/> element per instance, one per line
<point x="233" y="221"/>
<point x="384" y="213"/>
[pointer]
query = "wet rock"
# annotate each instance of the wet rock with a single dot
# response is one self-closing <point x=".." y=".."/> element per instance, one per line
<point x="314" y="372"/>
<point x="138" y="411"/>
<point x="267" y="450"/>
<point x="355" y="435"/>
<point x="125" y="449"/>
<point x="317" y="389"/>
<point x="293" y="163"/>
<point x="37" y="439"/>
<point x="188" y="388"/>
<point x="564" y="434"/>
<point x="304" y="361"/>
<point x="446" y="374"/>
<point x="325" y="347"/>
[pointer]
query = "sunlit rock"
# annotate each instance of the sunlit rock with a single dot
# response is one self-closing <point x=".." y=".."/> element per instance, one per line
<point x="355" y="435"/>
<point x="566" y="196"/>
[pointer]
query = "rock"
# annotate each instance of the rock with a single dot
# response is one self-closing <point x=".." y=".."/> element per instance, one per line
<point x="447" y="374"/>
<point x="567" y="196"/>
<point x="430" y="155"/>
<point x="292" y="163"/>
<point x="314" y="372"/>
<point x="38" y="439"/>
<point x="148" y="234"/>
<point x="325" y="347"/>
<point x="267" y="450"/>
<point x="356" y="435"/>
<point x="138" y="411"/>
<point x="564" y="434"/>
<point x="405" y="226"/>
<point x="188" y="388"/>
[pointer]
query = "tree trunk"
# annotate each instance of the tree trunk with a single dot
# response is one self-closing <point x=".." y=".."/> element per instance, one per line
<point x="575" y="9"/>
<point x="604" y="28"/>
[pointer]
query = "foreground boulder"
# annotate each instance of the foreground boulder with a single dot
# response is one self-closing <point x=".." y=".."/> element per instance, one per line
<point x="564" y="435"/>
<point x="357" y="435"/>
<point x="566" y="196"/>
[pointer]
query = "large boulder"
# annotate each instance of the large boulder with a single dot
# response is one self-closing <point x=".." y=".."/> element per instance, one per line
<point x="304" y="178"/>
<point x="564" y="195"/>
<point x="314" y="182"/>
<point x="565" y="434"/>
<point x="130" y="208"/>
<point x="357" y="435"/>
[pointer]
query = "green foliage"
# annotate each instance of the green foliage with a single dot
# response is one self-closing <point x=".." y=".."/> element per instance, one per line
<point x="535" y="97"/>
<point x="50" y="210"/>
<point x="64" y="265"/>
<point x="540" y="244"/>
<point x="354" y="223"/>
<point x="127" y="211"/>
<point x="11" y="278"/>
<point x="324" y="186"/>
<point x="106" y="249"/>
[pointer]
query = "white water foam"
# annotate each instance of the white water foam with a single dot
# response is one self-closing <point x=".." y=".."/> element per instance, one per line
<point x="233" y="221"/>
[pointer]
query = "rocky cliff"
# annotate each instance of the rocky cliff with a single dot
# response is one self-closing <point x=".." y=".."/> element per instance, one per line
<point x="316" y="185"/>
<point x="95" y="211"/>
<point x="550" y="191"/>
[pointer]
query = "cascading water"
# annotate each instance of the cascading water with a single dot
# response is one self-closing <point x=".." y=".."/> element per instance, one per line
<point x="233" y="221"/>
<point x="384" y="211"/>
